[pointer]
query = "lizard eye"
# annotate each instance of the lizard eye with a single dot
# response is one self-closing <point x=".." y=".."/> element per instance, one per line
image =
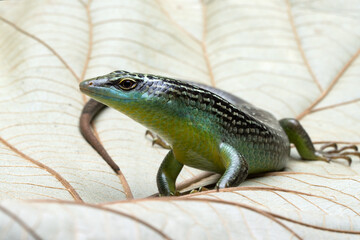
<point x="127" y="84"/>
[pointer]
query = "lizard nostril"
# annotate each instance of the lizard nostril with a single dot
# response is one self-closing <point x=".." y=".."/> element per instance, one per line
<point x="90" y="83"/>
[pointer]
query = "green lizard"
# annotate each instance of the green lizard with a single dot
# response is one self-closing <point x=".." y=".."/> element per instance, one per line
<point x="206" y="128"/>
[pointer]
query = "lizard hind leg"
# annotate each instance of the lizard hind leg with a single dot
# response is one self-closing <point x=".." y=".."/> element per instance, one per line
<point x="299" y="137"/>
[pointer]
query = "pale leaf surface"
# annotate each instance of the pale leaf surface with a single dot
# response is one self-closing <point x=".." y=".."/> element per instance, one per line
<point x="293" y="58"/>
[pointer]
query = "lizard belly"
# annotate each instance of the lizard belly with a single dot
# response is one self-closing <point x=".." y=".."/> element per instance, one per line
<point x="198" y="149"/>
<point x="199" y="160"/>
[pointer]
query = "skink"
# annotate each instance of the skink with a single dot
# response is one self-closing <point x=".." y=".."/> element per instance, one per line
<point x="206" y="128"/>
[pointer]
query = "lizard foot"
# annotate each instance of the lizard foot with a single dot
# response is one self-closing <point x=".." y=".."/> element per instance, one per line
<point x="329" y="152"/>
<point x="175" y="194"/>
<point x="157" y="140"/>
<point x="200" y="189"/>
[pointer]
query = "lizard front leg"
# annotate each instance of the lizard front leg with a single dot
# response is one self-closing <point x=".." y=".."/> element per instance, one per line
<point x="236" y="167"/>
<point x="167" y="174"/>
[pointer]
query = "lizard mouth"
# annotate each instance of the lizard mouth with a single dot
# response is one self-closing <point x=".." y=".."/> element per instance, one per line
<point x="92" y="92"/>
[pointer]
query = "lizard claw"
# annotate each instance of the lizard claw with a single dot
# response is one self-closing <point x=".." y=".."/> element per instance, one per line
<point x="353" y="147"/>
<point x="333" y="145"/>
<point x="157" y="140"/>
<point x="337" y="153"/>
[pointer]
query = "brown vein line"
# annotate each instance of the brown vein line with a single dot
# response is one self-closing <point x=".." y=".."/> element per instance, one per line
<point x="74" y="168"/>
<point x="64" y="3"/>
<point x="9" y="194"/>
<point x="314" y="226"/>
<point x="109" y="130"/>
<point x="277" y="98"/>
<point x="244" y="18"/>
<point x="47" y="91"/>
<point x="40" y="134"/>
<point x="103" y="184"/>
<point x="265" y="88"/>
<point x="62" y="180"/>
<point x="233" y="59"/>
<point x="42" y="43"/>
<point x="40" y="123"/>
<point x="339" y="142"/>
<point x="330" y="37"/>
<point x="335" y="55"/>
<point x="152" y="28"/>
<point x="244" y="6"/>
<point x="186" y="183"/>
<point x="313" y="204"/>
<point x="98" y="207"/>
<point x="322" y="186"/>
<point x="60" y="14"/>
<point x="304" y="173"/>
<point x="158" y="51"/>
<point x="270" y="189"/>
<point x="39" y="194"/>
<point x="90" y="42"/>
<point x="240" y="205"/>
<point x="35" y="124"/>
<point x="287" y="201"/>
<point x="332" y="84"/>
<point x="113" y="66"/>
<point x="212" y="196"/>
<point x="18" y="166"/>
<point x="249" y="73"/>
<point x="176" y="24"/>
<point x="336" y="128"/>
<point x="203" y="46"/>
<point x="121" y="6"/>
<point x="71" y="26"/>
<point x="45" y="78"/>
<point x="248" y="46"/>
<point x="33" y="134"/>
<point x="336" y="105"/>
<point x="190" y="214"/>
<point x="298" y="42"/>
<point x="29" y="175"/>
<point x="119" y="173"/>
<point x="32" y="184"/>
<point x="31" y="102"/>
<point x="247" y="225"/>
<point x="239" y="31"/>
<point x="152" y="68"/>
<point x="29" y="193"/>
<point x="250" y="199"/>
<point x="20" y="222"/>
<point x="222" y="220"/>
<point x="267" y="214"/>
<point x="22" y="61"/>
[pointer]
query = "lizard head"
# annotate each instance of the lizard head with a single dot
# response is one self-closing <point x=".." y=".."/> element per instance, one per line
<point x="127" y="92"/>
<point x="113" y="87"/>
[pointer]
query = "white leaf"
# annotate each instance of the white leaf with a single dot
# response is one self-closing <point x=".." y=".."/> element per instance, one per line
<point x="293" y="58"/>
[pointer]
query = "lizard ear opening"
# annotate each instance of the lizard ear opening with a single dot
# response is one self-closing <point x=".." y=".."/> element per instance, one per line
<point x="127" y="84"/>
